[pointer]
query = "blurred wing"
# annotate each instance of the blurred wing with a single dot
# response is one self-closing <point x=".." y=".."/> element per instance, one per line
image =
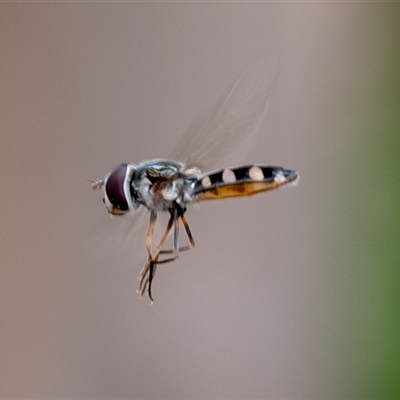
<point x="223" y="137"/>
<point x="122" y="233"/>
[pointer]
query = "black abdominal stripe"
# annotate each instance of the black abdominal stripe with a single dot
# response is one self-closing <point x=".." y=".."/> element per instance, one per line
<point x="242" y="181"/>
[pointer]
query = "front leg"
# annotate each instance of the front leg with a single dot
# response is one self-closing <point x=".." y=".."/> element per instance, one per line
<point x="146" y="276"/>
<point x="150" y="231"/>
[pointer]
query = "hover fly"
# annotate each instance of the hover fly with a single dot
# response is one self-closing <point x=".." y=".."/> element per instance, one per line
<point x="169" y="186"/>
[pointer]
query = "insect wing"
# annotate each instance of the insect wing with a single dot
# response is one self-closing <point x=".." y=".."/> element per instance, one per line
<point x="223" y="137"/>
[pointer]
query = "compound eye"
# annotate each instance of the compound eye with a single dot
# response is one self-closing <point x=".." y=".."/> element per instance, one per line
<point x="114" y="189"/>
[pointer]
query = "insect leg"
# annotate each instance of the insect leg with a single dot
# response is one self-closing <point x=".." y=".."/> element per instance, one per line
<point x="188" y="232"/>
<point x="178" y="213"/>
<point x="172" y="221"/>
<point x="176" y="238"/>
<point x="152" y="271"/>
<point x="154" y="259"/>
<point x="150" y="231"/>
<point x="149" y="237"/>
<point x="189" y="235"/>
<point x="146" y="276"/>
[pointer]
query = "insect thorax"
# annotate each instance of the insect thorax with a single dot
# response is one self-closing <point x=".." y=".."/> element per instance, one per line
<point x="160" y="185"/>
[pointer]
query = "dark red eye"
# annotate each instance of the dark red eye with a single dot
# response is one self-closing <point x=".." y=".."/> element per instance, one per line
<point x="115" y="188"/>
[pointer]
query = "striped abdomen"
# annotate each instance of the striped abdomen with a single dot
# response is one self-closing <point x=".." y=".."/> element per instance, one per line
<point x="242" y="181"/>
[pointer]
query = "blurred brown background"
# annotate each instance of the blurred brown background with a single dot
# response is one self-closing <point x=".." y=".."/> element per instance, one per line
<point x="291" y="294"/>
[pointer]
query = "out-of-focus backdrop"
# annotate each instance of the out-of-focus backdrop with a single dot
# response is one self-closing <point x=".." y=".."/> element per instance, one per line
<point x="290" y="294"/>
